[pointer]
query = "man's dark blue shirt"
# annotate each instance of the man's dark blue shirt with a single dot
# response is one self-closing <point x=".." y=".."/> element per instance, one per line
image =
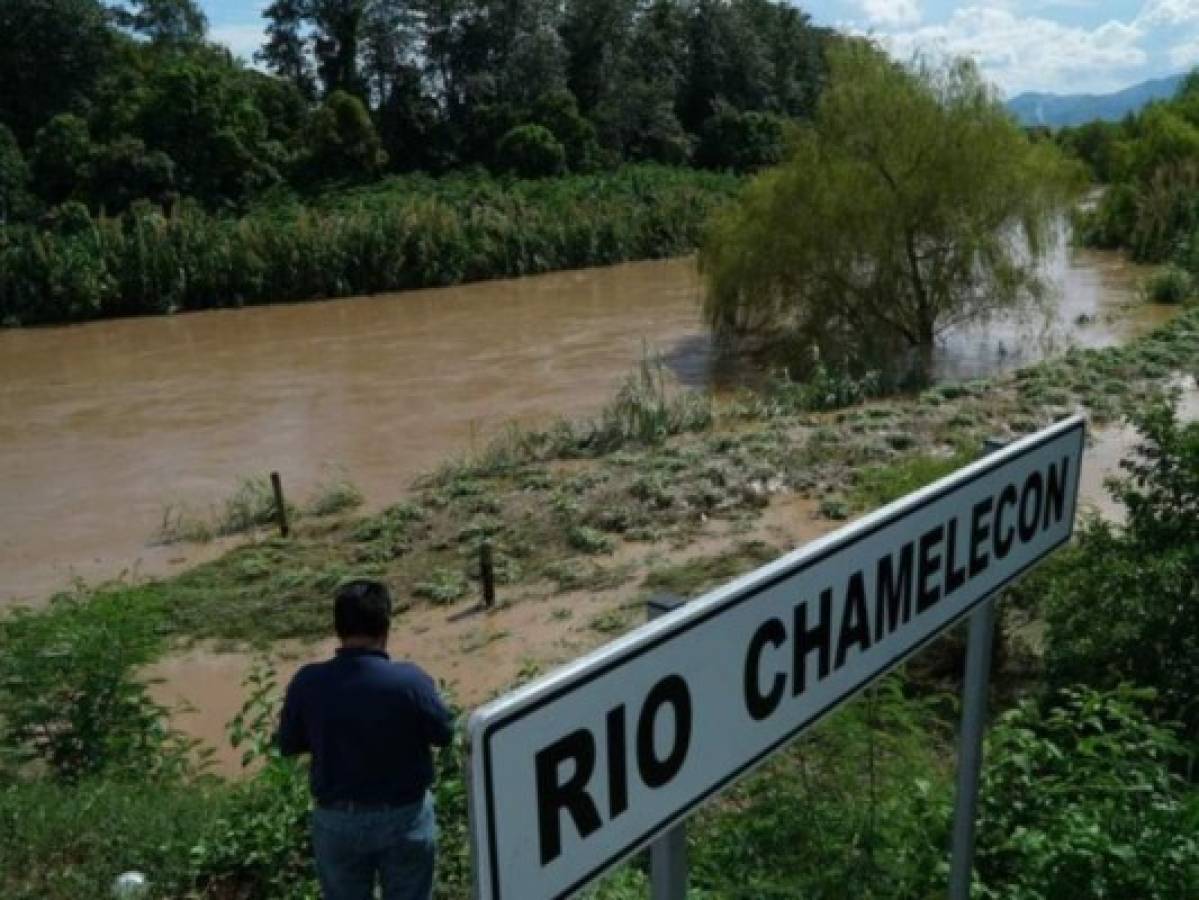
<point x="369" y="724"/>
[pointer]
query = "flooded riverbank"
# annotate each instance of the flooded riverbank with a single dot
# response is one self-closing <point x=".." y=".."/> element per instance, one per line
<point x="103" y="425"/>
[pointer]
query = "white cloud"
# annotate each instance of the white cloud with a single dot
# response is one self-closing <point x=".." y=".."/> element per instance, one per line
<point x="1031" y="53"/>
<point x="890" y="13"/>
<point x="1185" y="56"/>
<point x="242" y="40"/>
<point x="1157" y="13"/>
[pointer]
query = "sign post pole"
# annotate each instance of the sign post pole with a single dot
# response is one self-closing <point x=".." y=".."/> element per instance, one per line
<point x="668" y="854"/>
<point x="970" y="743"/>
<point x="974" y="714"/>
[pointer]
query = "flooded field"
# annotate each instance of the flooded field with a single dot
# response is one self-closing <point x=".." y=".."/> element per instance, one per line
<point x="103" y="425"/>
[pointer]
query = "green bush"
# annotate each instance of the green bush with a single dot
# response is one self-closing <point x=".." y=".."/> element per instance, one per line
<point x="1077" y="798"/>
<point x="70" y="698"/>
<point x="741" y="141"/>
<point x="531" y="151"/>
<point x="1123" y="605"/>
<point x="1169" y="285"/>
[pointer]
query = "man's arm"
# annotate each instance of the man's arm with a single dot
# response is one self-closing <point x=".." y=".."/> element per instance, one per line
<point x="291" y="737"/>
<point x="438" y="720"/>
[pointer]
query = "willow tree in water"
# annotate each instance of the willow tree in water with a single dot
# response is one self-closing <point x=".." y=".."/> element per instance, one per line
<point x="910" y="204"/>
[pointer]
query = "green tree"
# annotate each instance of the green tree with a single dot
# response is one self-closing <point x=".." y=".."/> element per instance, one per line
<point x="123" y="171"/>
<point x="741" y="141"/>
<point x="175" y="23"/>
<point x="531" y="151"/>
<point x="51" y="54"/>
<point x="62" y="158"/>
<point x="911" y="204"/>
<point x="559" y="113"/>
<point x="595" y="34"/>
<point x="640" y="120"/>
<point x="14" y="178"/>
<point x="343" y="140"/>
<point x="203" y="111"/>
<point x="286" y="49"/>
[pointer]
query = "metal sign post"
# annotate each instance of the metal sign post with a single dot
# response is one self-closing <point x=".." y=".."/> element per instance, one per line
<point x="668" y="854"/>
<point x="979" y="642"/>
<point x="580" y="769"/>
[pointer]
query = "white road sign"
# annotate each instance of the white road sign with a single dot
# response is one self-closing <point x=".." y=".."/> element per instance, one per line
<point x="572" y="773"/>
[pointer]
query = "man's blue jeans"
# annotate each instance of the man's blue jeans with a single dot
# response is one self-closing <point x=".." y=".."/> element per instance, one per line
<point x="395" y="845"/>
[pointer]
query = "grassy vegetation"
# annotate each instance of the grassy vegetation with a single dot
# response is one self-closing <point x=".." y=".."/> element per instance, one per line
<point x="408" y="232"/>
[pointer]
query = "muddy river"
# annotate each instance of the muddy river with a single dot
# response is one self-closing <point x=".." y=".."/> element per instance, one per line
<point x="104" y="425"/>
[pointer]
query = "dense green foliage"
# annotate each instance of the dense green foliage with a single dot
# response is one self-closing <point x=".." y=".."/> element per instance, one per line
<point x="1149" y="163"/>
<point x="1079" y="790"/>
<point x="109" y="102"/>
<point x="69" y="701"/>
<point x="911" y="204"/>
<point x="408" y="232"/>
<point x="1130" y="611"/>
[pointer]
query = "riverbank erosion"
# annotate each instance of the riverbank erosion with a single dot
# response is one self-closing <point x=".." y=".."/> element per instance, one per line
<point x="661" y="491"/>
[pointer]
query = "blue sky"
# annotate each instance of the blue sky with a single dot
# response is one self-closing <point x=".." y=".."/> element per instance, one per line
<point x="1067" y="46"/>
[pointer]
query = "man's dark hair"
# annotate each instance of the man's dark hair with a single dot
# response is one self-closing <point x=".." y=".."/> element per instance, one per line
<point x="362" y="608"/>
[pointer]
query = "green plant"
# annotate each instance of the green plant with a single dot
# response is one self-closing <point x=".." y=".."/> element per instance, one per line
<point x="334" y="494"/>
<point x="1124" y="604"/>
<point x="876" y="486"/>
<point x="1171" y="284"/>
<point x="531" y="151"/>
<point x="252" y="505"/>
<point x="442" y="586"/>
<point x="259" y="843"/>
<point x="70" y="696"/>
<point x="589" y="540"/>
<point x="1077" y="791"/>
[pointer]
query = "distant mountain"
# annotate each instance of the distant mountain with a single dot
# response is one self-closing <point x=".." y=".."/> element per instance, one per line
<point x="1057" y="110"/>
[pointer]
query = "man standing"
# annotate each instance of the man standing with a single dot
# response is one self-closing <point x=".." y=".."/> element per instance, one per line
<point x="369" y="724"/>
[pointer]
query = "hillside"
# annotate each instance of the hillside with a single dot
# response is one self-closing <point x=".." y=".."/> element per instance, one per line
<point x="1059" y="110"/>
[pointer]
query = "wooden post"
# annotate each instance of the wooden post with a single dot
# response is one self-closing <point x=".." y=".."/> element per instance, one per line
<point x="280" y="504"/>
<point x="487" y="574"/>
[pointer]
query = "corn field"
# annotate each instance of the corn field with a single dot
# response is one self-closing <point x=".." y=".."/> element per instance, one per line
<point x="408" y="232"/>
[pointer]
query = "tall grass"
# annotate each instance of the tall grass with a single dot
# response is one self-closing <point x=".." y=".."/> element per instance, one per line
<point x="644" y="412"/>
<point x="408" y="232"/>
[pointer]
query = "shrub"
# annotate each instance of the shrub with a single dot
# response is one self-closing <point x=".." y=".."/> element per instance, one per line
<point x="741" y="141"/>
<point x="1124" y="604"/>
<point x="531" y="151"/>
<point x="1077" y="794"/>
<point x="70" y="699"/>
<point x="1169" y="285"/>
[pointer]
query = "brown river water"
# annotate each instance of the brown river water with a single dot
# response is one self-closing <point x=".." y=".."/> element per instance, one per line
<point x="101" y="425"/>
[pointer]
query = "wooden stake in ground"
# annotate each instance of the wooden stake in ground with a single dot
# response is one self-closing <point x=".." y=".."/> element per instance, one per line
<point x="280" y="504"/>
<point x="487" y="574"/>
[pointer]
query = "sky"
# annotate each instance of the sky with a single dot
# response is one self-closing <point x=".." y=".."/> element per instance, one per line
<point x="1063" y="46"/>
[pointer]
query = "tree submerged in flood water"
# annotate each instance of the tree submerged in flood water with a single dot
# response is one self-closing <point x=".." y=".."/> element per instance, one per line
<point x="912" y="203"/>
